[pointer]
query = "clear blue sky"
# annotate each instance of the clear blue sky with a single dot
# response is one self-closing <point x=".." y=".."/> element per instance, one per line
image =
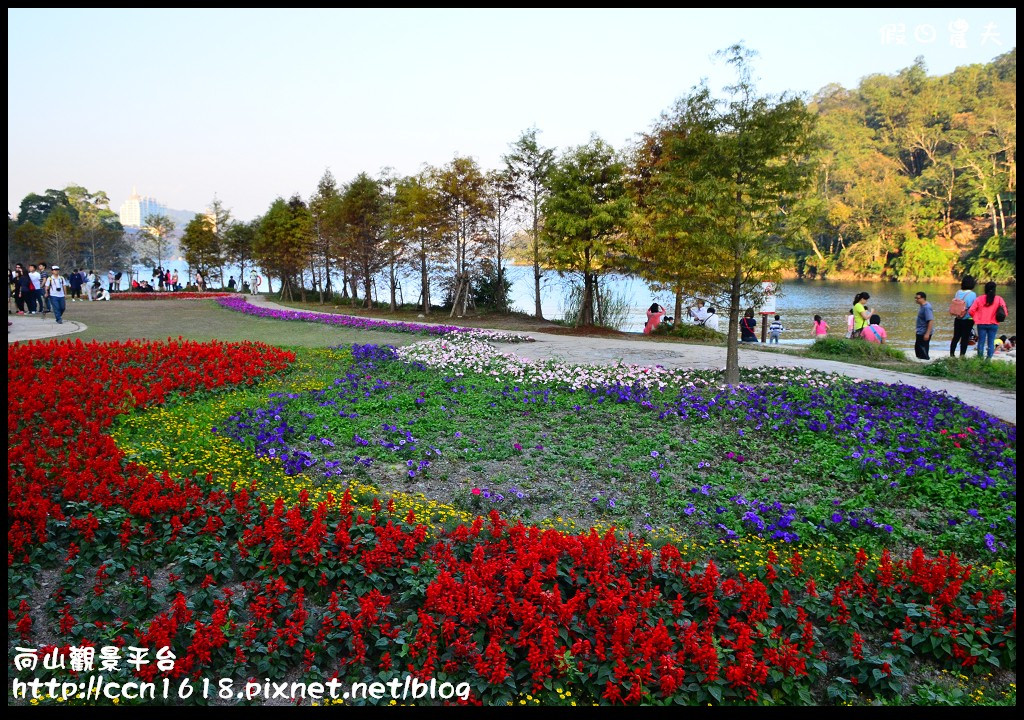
<point x="253" y="104"/>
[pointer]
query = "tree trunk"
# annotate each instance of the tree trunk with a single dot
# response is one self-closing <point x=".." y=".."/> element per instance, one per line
<point x="678" y="318"/>
<point x="732" y="355"/>
<point x="368" y="287"/>
<point x="424" y="280"/>
<point x="327" y="275"/>
<point x="586" y="318"/>
<point x="394" y="282"/>
<point x="538" y="313"/>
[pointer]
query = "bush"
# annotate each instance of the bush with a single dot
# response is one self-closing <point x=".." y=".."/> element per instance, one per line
<point x="973" y="369"/>
<point x="856" y="349"/>
<point x="696" y="333"/>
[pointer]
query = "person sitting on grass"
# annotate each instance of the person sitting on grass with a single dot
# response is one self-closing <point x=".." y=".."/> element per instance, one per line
<point x="874" y="332"/>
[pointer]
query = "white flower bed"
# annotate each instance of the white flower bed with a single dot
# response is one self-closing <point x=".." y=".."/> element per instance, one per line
<point x="461" y="354"/>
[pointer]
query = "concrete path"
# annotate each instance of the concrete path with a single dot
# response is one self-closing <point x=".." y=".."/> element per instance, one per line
<point x="1001" y="403"/>
<point x="38" y="327"/>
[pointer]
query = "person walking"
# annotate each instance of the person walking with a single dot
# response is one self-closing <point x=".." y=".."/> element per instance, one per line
<point x="56" y="290"/>
<point x="925" y="326"/>
<point x="254" y="284"/>
<point x="35" y="285"/>
<point x="774" y="330"/>
<point x="42" y="299"/>
<point x="988" y="311"/>
<point x="75" y="281"/>
<point x="963" y="323"/>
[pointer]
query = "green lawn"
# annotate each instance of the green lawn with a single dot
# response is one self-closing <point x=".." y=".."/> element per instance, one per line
<point x="205" y="320"/>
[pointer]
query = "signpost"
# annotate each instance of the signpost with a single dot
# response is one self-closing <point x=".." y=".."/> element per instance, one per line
<point x="767" y="307"/>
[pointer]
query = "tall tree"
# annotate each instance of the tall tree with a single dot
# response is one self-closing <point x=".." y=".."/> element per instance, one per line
<point x="61" y="239"/>
<point x="502" y="193"/>
<point x="363" y="215"/>
<point x="238" y="244"/>
<point x="201" y="245"/>
<point x="729" y="172"/>
<point x="156" y="237"/>
<point x="529" y="165"/>
<point x="283" y="243"/>
<point x="461" y="188"/>
<point x="36" y="208"/>
<point x="325" y="207"/>
<point x="418" y="221"/>
<point x="220" y="218"/>
<point x="584" y="216"/>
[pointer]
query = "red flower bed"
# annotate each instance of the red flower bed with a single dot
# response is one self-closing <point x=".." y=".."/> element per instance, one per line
<point x="168" y="295"/>
<point x="61" y="397"/>
<point x="239" y="588"/>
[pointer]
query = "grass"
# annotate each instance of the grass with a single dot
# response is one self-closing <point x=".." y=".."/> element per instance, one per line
<point x="690" y="333"/>
<point x="991" y="373"/>
<point x="841" y="348"/>
<point x="205" y="320"/>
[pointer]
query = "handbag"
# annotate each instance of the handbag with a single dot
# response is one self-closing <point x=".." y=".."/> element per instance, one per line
<point x="1000" y="312"/>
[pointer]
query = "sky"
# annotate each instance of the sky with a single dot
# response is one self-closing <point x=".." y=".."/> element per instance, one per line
<point x="250" y="105"/>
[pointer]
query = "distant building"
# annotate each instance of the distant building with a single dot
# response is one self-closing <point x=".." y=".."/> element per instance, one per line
<point x="137" y="208"/>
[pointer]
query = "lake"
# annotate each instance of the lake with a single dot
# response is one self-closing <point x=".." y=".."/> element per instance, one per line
<point x="797" y="303"/>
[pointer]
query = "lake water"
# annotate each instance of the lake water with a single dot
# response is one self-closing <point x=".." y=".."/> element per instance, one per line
<point x="797" y="303"/>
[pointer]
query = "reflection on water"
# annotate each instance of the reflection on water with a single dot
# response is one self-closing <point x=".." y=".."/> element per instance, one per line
<point x="798" y="302"/>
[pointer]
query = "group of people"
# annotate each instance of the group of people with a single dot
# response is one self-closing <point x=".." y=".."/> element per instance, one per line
<point x="38" y="289"/>
<point x="976" y="320"/>
<point x="41" y="290"/>
<point x="163" y="281"/>
<point x="699" y="314"/>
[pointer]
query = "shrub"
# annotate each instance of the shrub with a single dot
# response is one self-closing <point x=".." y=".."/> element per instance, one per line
<point x="697" y="333"/>
<point x="856" y="349"/>
<point x="974" y="369"/>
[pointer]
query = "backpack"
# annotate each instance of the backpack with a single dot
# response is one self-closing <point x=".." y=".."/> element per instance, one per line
<point x="957" y="306"/>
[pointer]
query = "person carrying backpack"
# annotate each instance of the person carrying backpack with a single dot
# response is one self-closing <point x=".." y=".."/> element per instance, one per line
<point x="988" y="311"/>
<point x="963" y="323"/>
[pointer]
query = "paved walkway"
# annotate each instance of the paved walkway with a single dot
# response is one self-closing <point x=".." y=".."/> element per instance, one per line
<point x="38" y="327"/>
<point x="1001" y="403"/>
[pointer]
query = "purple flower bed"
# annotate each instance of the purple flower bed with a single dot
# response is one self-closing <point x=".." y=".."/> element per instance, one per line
<point x="838" y="462"/>
<point x="239" y="304"/>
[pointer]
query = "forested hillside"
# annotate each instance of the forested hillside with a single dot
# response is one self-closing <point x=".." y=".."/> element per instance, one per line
<point x="918" y="176"/>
